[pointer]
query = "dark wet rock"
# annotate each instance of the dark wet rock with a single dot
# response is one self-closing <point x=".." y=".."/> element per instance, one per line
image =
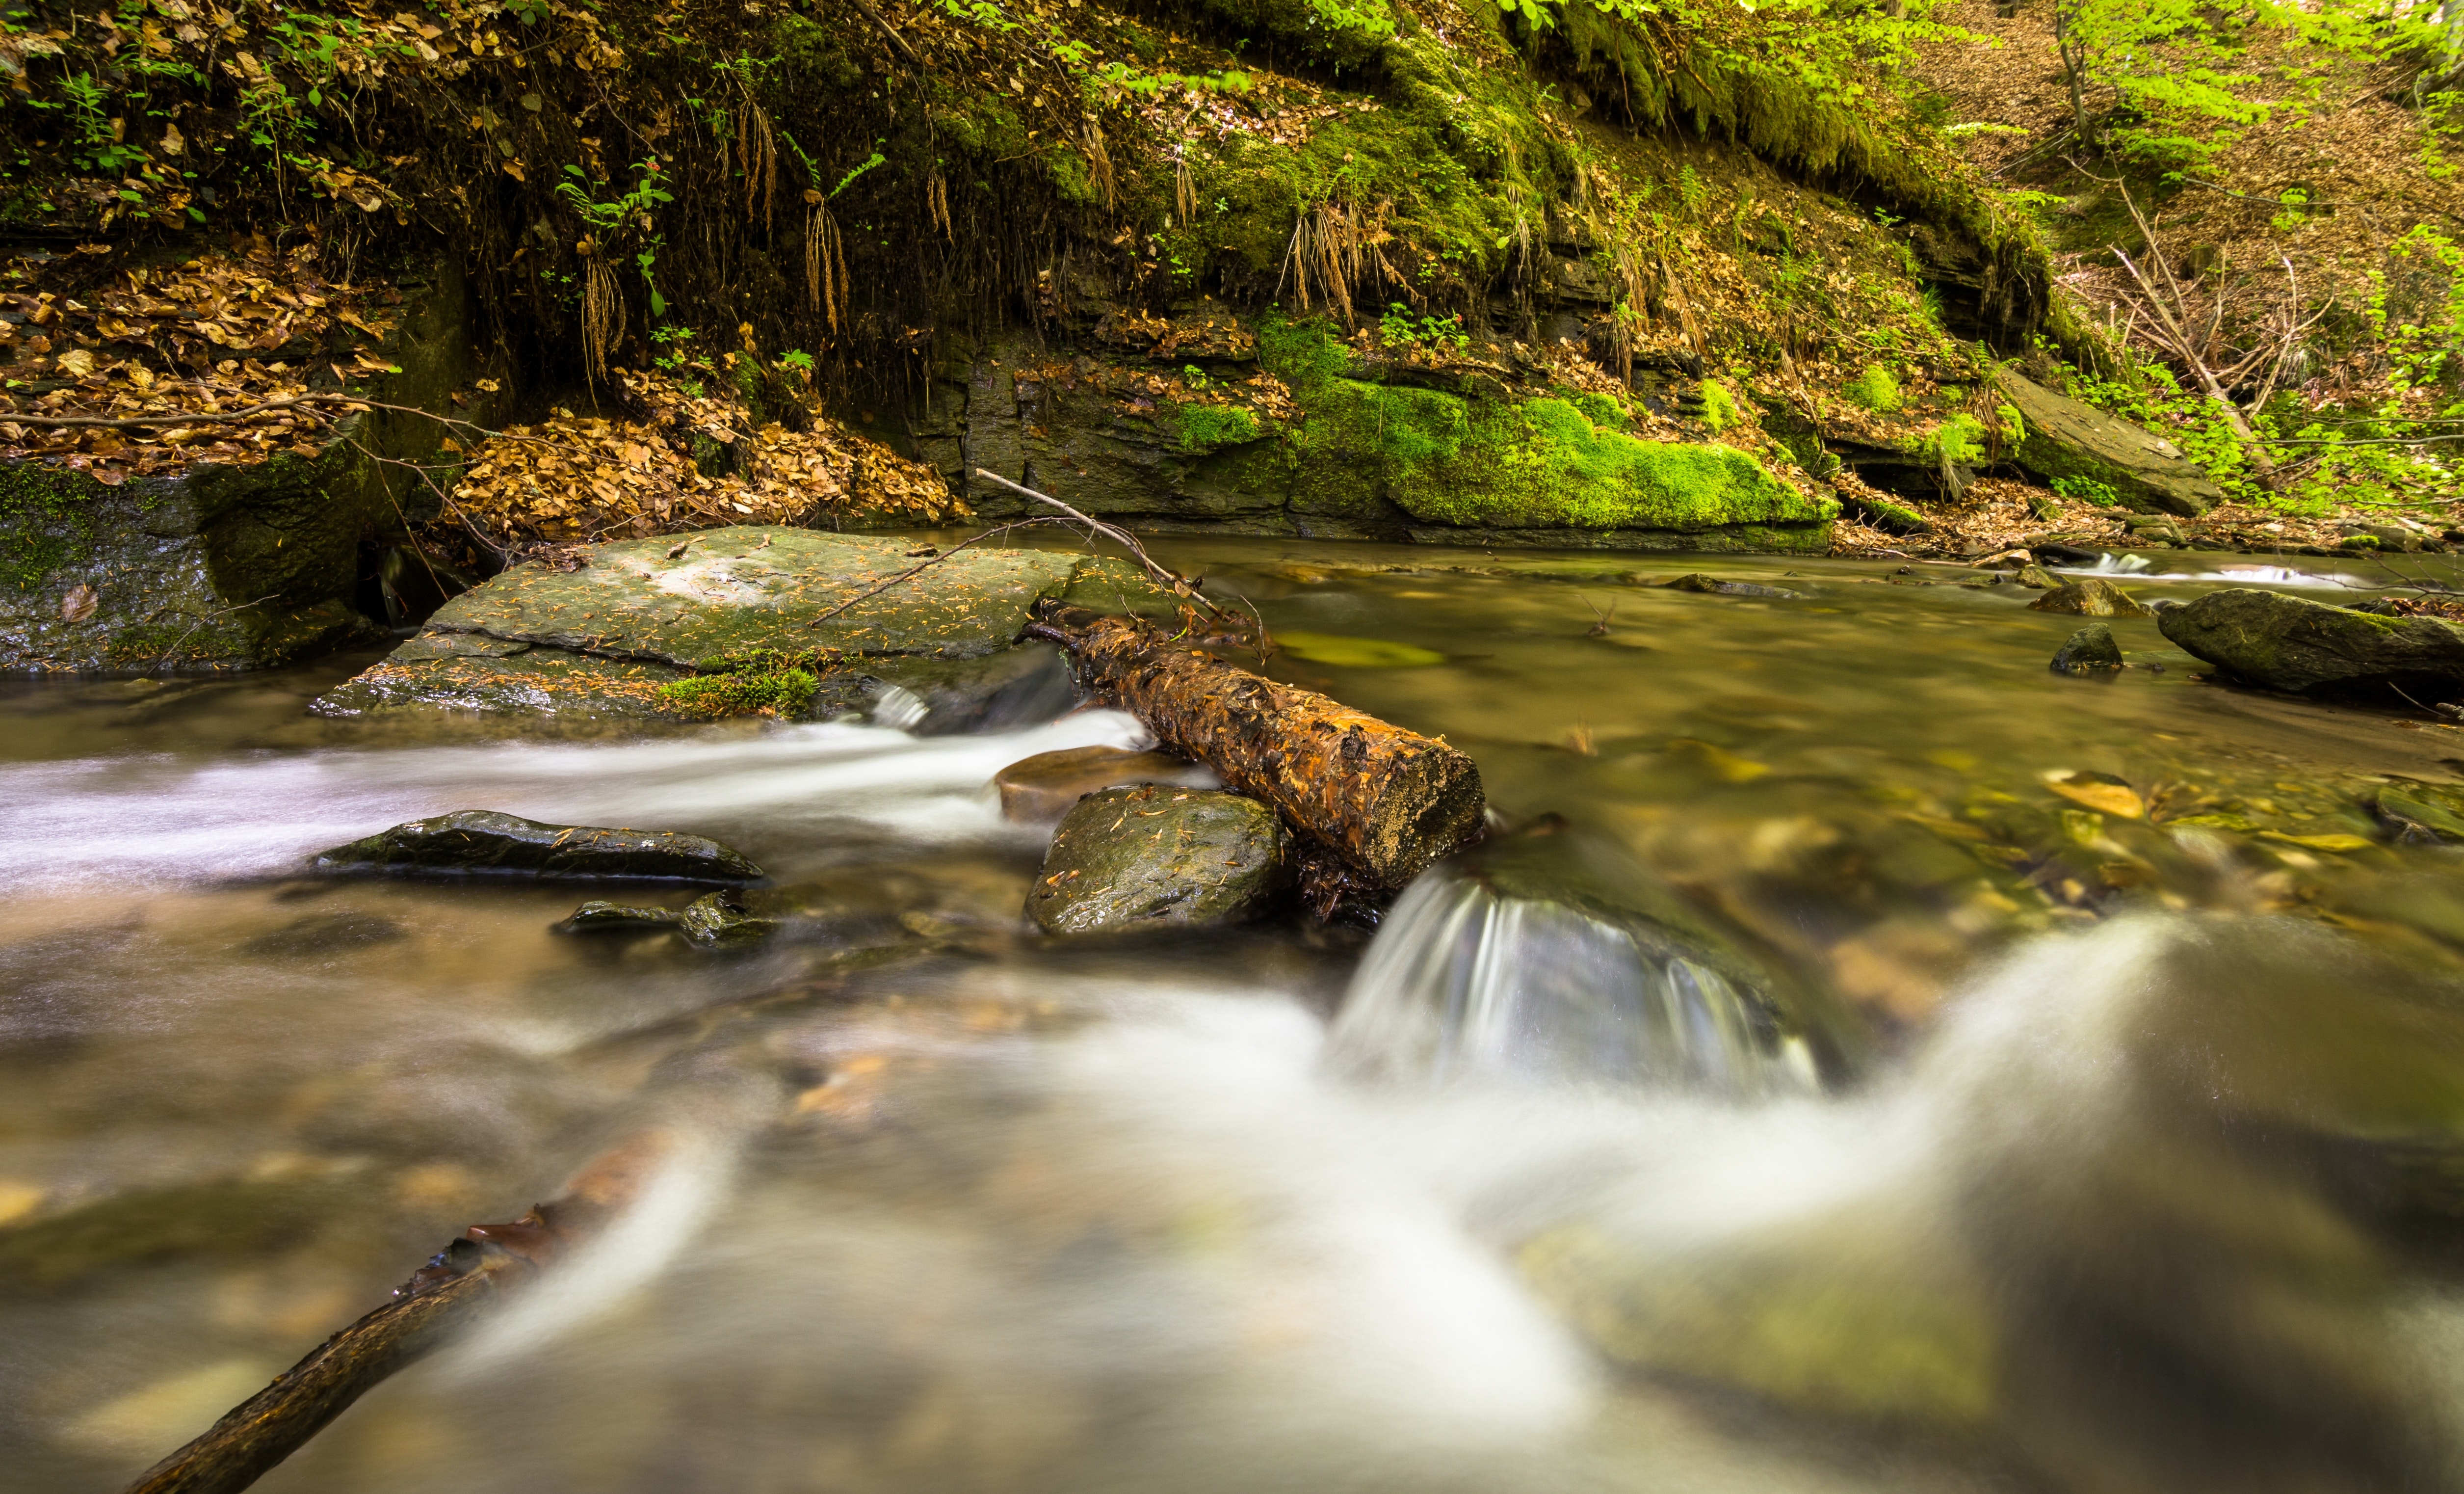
<point x="719" y="921"/>
<point x="599" y="916"/>
<point x="227" y="567"/>
<point x="1137" y="857"/>
<point x="482" y="840"/>
<point x="2417" y="813"/>
<point x="2290" y="645"/>
<point x="2065" y="439"/>
<point x="1721" y="585"/>
<point x="2089" y="597"/>
<point x="2091" y="648"/>
<point x="1043" y="787"/>
<point x="326" y="933"/>
<point x="1024" y="686"/>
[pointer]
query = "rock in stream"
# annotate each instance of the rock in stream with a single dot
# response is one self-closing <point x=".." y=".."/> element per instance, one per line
<point x="2287" y="643"/>
<point x="483" y="840"/>
<point x="1154" y="854"/>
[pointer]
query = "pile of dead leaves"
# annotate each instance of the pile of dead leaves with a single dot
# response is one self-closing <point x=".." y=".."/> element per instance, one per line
<point x="591" y="478"/>
<point x="202" y="338"/>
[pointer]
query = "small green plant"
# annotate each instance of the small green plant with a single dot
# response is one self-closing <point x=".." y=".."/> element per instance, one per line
<point x="1875" y="390"/>
<point x="1690" y="191"/>
<point x="1398" y="328"/>
<point x="1192" y="376"/>
<point x="2088" y="490"/>
<point x="797" y="361"/>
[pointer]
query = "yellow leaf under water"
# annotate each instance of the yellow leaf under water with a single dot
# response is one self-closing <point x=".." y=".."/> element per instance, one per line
<point x="2102" y="792"/>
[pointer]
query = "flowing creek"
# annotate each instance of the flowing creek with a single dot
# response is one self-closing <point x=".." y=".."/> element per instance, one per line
<point x="2122" y="1145"/>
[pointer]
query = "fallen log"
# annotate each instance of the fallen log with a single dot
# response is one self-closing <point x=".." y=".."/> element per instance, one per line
<point x="457" y="1287"/>
<point x="1387" y="802"/>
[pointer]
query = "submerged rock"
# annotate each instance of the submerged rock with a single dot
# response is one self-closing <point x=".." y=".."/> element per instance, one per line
<point x="1034" y="789"/>
<point x="716" y="921"/>
<point x="2061" y="437"/>
<point x="2037" y="578"/>
<point x="2091" y="648"/>
<point x="1554" y="954"/>
<point x="1127" y="857"/>
<point x="2290" y="645"/>
<point x="2089" y="597"/>
<point x="599" y="916"/>
<point x="482" y="840"/>
<point x="2418" y="814"/>
<point x="1721" y="585"/>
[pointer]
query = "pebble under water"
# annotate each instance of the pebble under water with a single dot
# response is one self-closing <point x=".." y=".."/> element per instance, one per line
<point x="1864" y="1059"/>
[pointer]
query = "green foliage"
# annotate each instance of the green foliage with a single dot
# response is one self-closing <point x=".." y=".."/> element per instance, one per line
<point x="2181" y="74"/>
<point x="1960" y="441"/>
<point x="1875" y="388"/>
<point x="1398" y="328"/>
<point x="2087" y="490"/>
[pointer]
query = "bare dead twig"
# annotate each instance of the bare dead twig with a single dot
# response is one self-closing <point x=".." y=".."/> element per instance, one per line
<point x="916" y="570"/>
<point x="1170" y="581"/>
<point x="898" y="43"/>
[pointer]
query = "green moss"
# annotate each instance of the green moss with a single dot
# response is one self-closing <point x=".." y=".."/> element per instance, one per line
<point x="750" y="684"/>
<point x="784" y="694"/>
<point x="46" y="521"/>
<point x="1601" y="411"/>
<point x="1719" y="406"/>
<point x="1206" y="427"/>
<point x="1874" y="389"/>
<point x="1959" y="442"/>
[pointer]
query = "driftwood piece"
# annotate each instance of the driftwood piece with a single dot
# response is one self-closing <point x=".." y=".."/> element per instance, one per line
<point x="1386" y="801"/>
<point x="459" y="1286"/>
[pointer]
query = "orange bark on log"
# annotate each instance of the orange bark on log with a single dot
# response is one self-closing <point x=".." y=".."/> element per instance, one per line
<point x="1386" y="801"/>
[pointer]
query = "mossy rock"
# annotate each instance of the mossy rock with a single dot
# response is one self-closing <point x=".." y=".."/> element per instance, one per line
<point x="2287" y="643"/>
<point x="1157" y="855"/>
<point x="227" y="567"/>
<point x="483" y="840"/>
<point x="2071" y="444"/>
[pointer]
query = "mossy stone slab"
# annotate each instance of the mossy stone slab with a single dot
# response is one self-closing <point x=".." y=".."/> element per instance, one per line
<point x="759" y="587"/>
<point x="2064" y="439"/>
<point x="469" y="672"/>
<point x="2290" y="645"/>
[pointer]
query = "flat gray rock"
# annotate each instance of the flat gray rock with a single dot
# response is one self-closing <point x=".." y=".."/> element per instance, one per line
<point x="482" y="840"/>
<point x="2065" y="439"/>
<point x="1156" y="854"/>
<point x="757" y="587"/>
<point x="2290" y="645"/>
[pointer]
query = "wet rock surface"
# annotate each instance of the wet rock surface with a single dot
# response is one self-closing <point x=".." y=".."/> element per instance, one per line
<point x="719" y="921"/>
<point x="1722" y="586"/>
<point x="1043" y="788"/>
<point x="2287" y="643"/>
<point x="2065" y="439"/>
<point x="2089" y="650"/>
<point x="482" y="840"/>
<point x="2089" y="597"/>
<point x="600" y="916"/>
<point x="1137" y="857"/>
<point x="604" y="639"/>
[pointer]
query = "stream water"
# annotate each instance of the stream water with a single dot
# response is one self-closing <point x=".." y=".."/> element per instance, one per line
<point x="1864" y="1060"/>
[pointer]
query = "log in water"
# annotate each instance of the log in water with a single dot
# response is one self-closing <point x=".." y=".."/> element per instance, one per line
<point x="1388" y="801"/>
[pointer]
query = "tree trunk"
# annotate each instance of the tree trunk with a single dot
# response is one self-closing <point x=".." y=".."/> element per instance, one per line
<point x="1386" y="801"/>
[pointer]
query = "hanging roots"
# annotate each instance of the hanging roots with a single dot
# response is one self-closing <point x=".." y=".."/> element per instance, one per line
<point x="827" y="289"/>
<point x="1184" y="189"/>
<point x="936" y="201"/>
<point x="1331" y="251"/>
<point x="756" y="151"/>
<point x="1100" y="159"/>
<point x="602" y="310"/>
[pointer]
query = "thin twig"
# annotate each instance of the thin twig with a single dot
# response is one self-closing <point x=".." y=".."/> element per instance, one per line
<point x="874" y="15"/>
<point x="911" y="574"/>
<point x="1176" y="585"/>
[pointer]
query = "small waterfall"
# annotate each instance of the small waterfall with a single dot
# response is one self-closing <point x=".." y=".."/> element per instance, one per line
<point x="1467" y="978"/>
